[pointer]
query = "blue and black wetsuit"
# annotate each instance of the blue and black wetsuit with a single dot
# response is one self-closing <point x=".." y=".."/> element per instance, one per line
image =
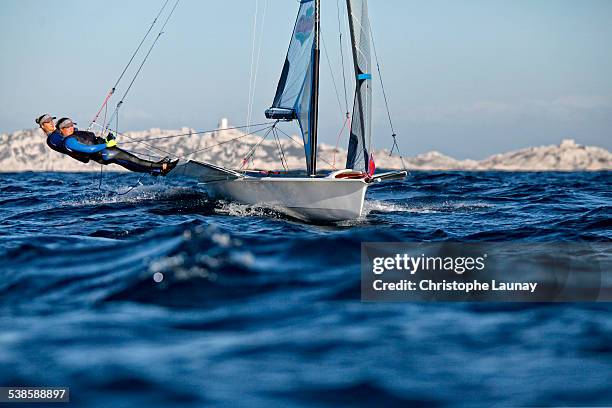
<point x="83" y="146"/>
<point x="56" y="142"/>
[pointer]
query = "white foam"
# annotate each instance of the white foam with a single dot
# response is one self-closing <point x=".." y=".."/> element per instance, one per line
<point x="246" y="210"/>
<point x="123" y="194"/>
<point x="446" y="206"/>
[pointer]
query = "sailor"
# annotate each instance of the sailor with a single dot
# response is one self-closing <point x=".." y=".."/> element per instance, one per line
<point x="85" y="146"/>
<point x="55" y="140"/>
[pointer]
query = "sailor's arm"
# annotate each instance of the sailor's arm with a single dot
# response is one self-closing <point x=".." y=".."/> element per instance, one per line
<point x="76" y="146"/>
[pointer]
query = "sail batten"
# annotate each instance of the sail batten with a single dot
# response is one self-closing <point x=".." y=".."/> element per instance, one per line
<point x="361" y="123"/>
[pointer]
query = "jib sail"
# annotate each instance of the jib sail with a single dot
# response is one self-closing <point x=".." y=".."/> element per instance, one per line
<point x="297" y="92"/>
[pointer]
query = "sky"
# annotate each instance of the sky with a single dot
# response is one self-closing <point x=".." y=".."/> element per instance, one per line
<point x="467" y="78"/>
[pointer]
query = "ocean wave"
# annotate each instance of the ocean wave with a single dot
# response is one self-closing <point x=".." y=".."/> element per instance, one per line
<point x="165" y="297"/>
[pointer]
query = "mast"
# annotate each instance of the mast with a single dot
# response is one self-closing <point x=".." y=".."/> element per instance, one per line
<point x="314" y="102"/>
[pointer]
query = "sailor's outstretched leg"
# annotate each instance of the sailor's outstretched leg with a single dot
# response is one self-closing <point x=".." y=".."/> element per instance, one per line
<point x="134" y="163"/>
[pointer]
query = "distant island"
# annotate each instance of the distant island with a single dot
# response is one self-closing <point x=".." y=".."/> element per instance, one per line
<point x="25" y="150"/>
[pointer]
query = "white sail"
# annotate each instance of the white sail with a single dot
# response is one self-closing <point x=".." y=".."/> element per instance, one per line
<point x="361" y="124"/>
<point x="296" y="87"/>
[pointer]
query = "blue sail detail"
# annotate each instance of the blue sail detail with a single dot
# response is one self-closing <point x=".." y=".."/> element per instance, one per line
<point x="295" y="90"/>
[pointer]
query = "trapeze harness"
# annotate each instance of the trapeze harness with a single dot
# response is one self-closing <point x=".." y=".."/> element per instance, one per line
<point x="84" y="146"/>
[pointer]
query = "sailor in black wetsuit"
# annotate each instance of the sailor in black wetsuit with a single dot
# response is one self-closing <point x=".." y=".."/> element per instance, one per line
<point x="85" y="146"/>
<point x="55" y="140"/>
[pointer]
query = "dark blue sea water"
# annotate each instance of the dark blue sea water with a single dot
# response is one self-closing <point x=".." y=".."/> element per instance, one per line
<point x="255" y="309"/>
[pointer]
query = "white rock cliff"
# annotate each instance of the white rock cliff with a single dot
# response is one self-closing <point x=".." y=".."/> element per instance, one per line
<point x="26" y="150"/>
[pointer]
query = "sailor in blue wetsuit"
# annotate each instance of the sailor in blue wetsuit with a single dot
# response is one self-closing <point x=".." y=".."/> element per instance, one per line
<point x="85" y="146"/>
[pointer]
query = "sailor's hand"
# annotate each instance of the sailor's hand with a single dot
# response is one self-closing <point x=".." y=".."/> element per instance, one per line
<point x="110" y="137"/>
<point x="111" y="143"/>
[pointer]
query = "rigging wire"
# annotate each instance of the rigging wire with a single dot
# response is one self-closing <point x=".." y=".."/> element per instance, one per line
<point x="251" y="152"/>
<point x="346" y="121"/>
<point x="281" y="152"/>
<point x="114" y="88"/>
<point x="152" y="148"/>
<point x="147" y="146"/>
<point x="225" y="142"/>
<point x="382" y="86"/>
<point x="260" y="127"/>
<point x="161" y="31"/>
<point x="332" y="75"/>
<point x="340" y="31"/>
<point x="256" y="74"/>
<point x="252" y="61"/>
<point x="254" y="71"/>
<point x="197" y="133"/>
<point x="302" y="144"/>
<point x="141" y="42"/>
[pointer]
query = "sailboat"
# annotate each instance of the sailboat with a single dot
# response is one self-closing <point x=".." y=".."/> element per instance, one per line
<point x="337" y="196"/>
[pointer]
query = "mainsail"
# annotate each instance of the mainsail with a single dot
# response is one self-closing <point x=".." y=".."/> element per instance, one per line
<point x="361" y="124"/>
<point x="297" y="92"/>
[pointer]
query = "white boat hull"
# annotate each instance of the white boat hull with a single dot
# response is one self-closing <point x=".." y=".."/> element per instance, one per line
<point x="308" y="199"/>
